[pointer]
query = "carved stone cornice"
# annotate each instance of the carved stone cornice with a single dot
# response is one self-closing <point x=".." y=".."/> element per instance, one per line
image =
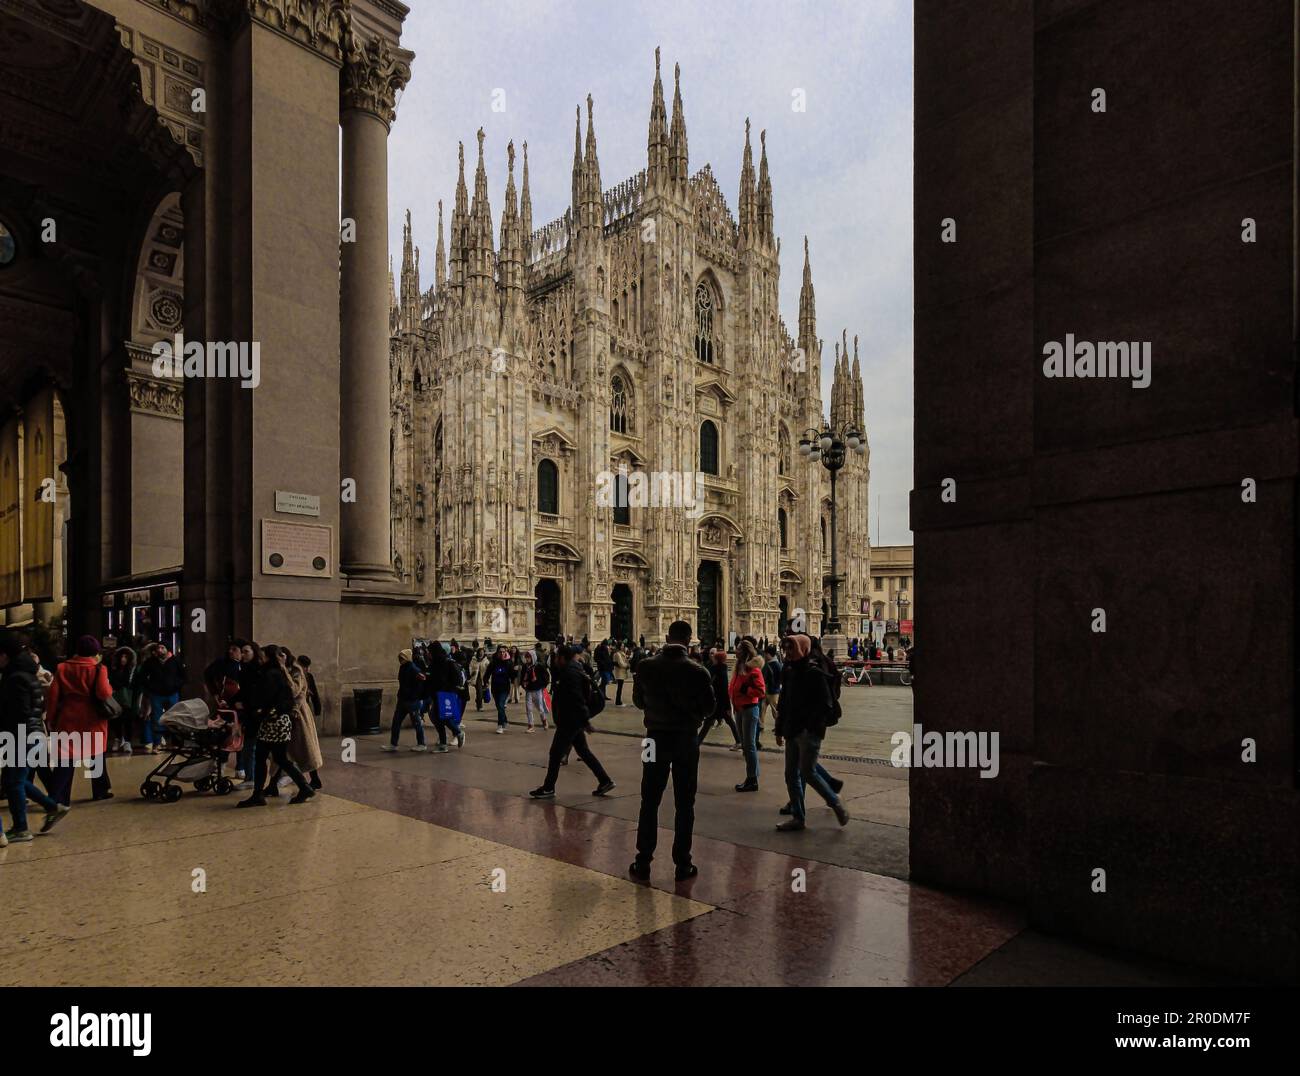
<point x="168" y="79"/>
<point x="204" y="14"/>
<point x="373" y="75"/>
<point x="320" y="25"/>
<point x="154" y="396"/>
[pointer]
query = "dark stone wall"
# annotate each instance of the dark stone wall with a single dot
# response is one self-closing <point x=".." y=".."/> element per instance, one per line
<point x="1121" y="750"/>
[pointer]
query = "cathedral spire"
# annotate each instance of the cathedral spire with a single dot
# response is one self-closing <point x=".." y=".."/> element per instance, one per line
<point x="510" y="263"/>
<point x="459" y="226"/>
<point x="526" y="210"/>
<point x="480" y="236"/>
<point x="807" y="305"/>
<point x="657" y="143"/>
<point x="592" y="194"/>
<point x="410" y="282"/>
<point x="859" y="400"/>
<point x="747" y="206"/>
<point x="765" y="218"/>
<point x="439" y="256"/>
<point x="677" y="136"/>
<point x="577" y="163"/>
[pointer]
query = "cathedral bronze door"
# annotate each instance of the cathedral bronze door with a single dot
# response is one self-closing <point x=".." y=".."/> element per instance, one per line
<point x="708" y="595"/>
<point x="546" y="614"/>
<point x="783" y="622"/>
<point x="621" y="621"/>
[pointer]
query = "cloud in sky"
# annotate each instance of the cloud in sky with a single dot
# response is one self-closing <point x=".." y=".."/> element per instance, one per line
<point x="841" y="170"/>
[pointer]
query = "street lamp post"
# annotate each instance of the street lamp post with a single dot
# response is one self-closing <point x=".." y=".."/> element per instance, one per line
<point x="830" y="448"/>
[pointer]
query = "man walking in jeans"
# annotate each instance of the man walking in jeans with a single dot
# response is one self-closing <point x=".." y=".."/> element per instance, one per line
<point x="676" y="694"/>
<point x="572" y="720"/>
<point x="802" y="711"/>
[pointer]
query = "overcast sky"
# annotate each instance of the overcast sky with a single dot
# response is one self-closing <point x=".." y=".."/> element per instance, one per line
<point x="841" y="170"/>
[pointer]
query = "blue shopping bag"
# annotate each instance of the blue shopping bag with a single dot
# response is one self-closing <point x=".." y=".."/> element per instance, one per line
<point x="449" y="708"/>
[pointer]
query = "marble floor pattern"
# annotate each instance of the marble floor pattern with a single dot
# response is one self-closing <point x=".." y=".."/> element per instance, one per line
<point x="437" y="869"/>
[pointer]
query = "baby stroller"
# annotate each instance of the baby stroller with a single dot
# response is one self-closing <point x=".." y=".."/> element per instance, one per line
<point x="196" y="751"/>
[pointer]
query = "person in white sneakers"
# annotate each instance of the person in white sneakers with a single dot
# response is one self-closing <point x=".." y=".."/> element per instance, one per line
<point x="533" y="681"/>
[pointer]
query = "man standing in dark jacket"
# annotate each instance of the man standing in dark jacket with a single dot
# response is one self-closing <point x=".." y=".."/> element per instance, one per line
<point x="676" y="695"/>
<point x="572" y="720"/>
<point x="20" y="719"/>
<point x="803" y="709"/>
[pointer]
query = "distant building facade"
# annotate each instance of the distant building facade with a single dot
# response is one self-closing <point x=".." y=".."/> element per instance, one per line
<point x="637" y="335"/>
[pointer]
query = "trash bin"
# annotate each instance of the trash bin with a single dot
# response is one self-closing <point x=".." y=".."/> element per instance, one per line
<point x="367" y="707"/>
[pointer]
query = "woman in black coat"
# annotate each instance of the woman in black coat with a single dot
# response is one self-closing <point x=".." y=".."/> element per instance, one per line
<point x="268" y="697"/>
<point x="716" y="663"/>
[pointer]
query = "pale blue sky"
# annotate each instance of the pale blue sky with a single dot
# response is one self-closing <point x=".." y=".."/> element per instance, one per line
<point x="841" y="170"/>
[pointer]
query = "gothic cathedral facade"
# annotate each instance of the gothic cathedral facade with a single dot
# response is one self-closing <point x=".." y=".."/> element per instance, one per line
<point x="639" y="332"/>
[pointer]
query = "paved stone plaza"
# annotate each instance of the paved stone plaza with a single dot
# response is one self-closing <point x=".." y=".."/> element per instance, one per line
<point x="387" y="879"/>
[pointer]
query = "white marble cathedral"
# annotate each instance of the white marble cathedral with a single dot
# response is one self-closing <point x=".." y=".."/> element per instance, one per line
<point x="640" y="331"/>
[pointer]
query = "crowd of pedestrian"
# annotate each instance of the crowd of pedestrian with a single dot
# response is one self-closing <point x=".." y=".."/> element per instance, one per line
<point x="114" y="700"/>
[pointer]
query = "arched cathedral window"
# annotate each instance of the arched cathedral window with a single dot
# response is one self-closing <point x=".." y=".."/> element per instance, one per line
<point x="618" y="417"/>
<point x="708" y="447"/>
<point x="548" y="488"/>
<point x="783" y="452"/>
<point x="703" y="323"/>
<point x="781" y="521"/>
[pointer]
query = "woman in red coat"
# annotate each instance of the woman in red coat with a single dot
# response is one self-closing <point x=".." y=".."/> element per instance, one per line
<point x="77" y="721"/>
<point x="746" y="691"/>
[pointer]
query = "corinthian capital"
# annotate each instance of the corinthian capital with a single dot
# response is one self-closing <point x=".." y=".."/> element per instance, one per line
<point x="373" y="75"/>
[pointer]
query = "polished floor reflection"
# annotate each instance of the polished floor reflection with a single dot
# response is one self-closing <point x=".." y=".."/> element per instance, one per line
<point x="436" y="869"/>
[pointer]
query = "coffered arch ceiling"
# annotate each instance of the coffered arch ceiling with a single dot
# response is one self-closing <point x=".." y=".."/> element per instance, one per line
<point x="84" y="163"/>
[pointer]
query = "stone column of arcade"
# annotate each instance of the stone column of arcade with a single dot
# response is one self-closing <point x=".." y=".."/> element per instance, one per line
<point x="371" y="79"/>
<point x="375" y="616"/>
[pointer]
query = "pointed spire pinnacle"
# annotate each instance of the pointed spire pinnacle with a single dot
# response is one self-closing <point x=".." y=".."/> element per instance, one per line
<point x="577" y="161"/>
<point x="526" y="209"/>
<point x="593" y="214"/>
<point x="807" y="304"/>
<point x="480" y="230"/>
<point x="511" y="260"/>
<point x="459" y="252"/>
<point x="439" y="256"/>
<point x="677" y="136"/>
<point x="748" y="206"/>
<point x="657" y="142"/>
<point x="765" y="216"/>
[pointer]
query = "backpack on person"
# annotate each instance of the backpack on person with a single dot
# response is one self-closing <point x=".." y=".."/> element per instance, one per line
<point x="595" y="694"/>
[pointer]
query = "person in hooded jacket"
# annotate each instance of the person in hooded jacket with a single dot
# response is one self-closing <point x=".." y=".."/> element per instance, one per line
<point x="805" y="706"/>
<point x="20" y="716"/>
<point x="73" y="709"/>
<point x="446" y="677"/>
